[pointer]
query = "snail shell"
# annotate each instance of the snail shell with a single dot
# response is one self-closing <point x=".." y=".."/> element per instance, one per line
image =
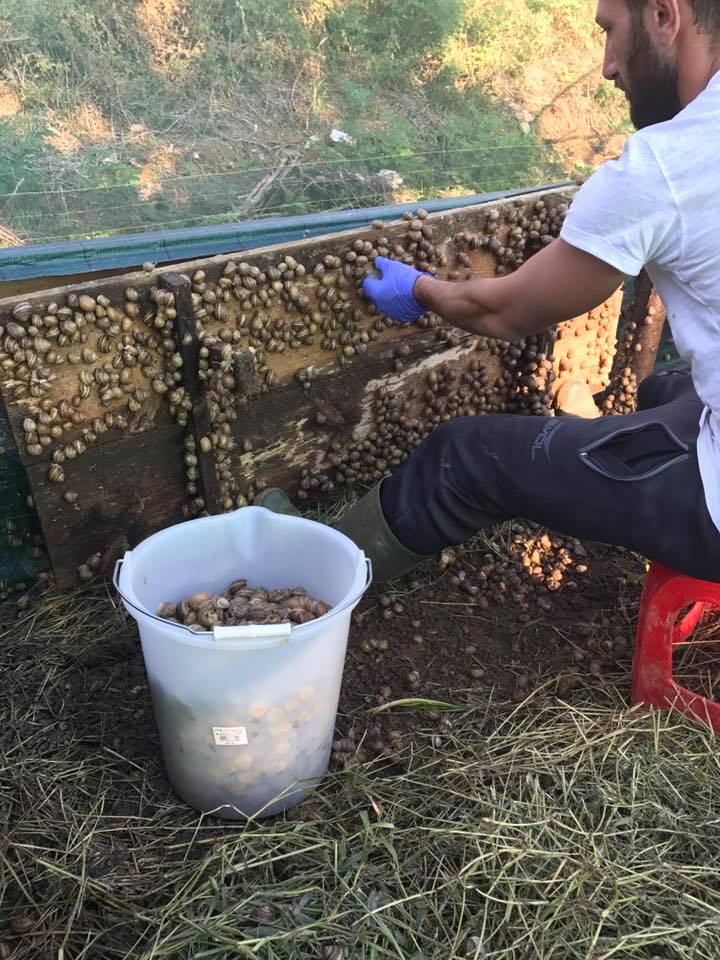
<point x="279" y="596"/>
<point x="207" y="615"/>
<point x="301" y="616"/>
<point x="298" y="602"/>
<point x="22" y="311"/>
<point x="21" y="925"/>
<point x="237" y="611"/>
<point x="197" y="599"/>
<point x="86" y="303"/>
<point x="15" y="330"/>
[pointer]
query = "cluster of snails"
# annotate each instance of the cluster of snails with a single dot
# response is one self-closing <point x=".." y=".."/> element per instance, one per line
<point x="398" y="423"/>
<point x="395" y="432"/>
<point x="584" y="349"/>
<point x="528" y="375"/>
<point x="276" y="307"/>
<point x="536" y="563"/>
<point x="113" y="357"/>
<point x="280" y="307"/>
<point x="523" y="573"/>
<point x="621" y="394"/>
<point x="369" y="456"/>
<point x="89" y="570"/>
<point x="241" y="604"/>
<point x="526" y="573"/>
<point x="530" y="228"/>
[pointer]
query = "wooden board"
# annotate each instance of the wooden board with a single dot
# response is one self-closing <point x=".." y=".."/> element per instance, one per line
<point x="329" y="369"/>
<point x="291" y="432"/>
<point x="14" y="289"/>
<point x="126" y="490"/>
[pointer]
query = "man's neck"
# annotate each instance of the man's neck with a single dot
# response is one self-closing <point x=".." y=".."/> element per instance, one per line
<point x="698" y="63"/>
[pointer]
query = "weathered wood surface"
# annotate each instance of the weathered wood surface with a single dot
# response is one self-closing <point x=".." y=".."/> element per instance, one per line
<point x="15" y="289"/>
<point x="189" y="348"/>
<point x="642" y="330"/>
<point x="64" y="376"/>
<point x="316" y="408"/>
<point x="126" y="490"/>
<point x="293" y="429"/>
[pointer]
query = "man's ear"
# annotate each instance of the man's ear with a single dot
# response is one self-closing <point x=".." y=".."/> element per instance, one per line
<point x="663" y="19"/>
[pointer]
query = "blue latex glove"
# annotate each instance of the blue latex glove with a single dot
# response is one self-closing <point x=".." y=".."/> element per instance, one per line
<point x="392" y="294"/>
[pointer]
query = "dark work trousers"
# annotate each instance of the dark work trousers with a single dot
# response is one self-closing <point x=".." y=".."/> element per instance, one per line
<point x="631" y="480"/>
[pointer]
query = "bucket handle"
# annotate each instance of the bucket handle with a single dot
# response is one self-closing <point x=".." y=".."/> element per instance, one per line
<point x="200" y="633"/>
<point x="263" y="634"/>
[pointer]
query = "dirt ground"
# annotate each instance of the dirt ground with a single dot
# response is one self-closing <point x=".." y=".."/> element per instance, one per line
<point x="444" y="642"/>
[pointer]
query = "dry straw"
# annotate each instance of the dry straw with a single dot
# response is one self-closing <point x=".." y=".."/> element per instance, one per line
<point x="543" y="830"/>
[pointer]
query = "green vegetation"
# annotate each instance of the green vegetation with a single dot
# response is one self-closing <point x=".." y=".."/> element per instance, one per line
<point x="130" y="114"/>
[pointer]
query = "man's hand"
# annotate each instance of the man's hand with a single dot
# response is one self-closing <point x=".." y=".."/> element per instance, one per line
<point x="392" y="294"/>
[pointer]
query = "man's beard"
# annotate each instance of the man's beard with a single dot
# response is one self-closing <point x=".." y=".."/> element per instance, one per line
<point x="652" y="83"/>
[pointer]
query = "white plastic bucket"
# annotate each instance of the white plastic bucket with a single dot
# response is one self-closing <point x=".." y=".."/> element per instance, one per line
<point x="245" y="714"/>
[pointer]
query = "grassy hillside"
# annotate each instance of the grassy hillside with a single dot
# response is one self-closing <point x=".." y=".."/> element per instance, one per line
<point x="130" y="114"/>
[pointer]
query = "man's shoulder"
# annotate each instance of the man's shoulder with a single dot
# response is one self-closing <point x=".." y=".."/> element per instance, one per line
<point x="638" y="159"/>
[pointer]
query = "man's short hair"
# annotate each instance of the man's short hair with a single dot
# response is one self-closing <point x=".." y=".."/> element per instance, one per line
<point x="706" y="14"/>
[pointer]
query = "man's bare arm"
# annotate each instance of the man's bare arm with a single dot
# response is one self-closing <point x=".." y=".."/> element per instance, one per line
<point x="556" y="284"/>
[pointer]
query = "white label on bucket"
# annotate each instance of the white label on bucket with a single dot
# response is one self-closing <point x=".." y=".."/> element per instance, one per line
<point x="230" y="736"/>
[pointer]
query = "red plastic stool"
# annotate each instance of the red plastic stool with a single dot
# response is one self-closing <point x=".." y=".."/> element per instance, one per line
<point x="665" y="594"/>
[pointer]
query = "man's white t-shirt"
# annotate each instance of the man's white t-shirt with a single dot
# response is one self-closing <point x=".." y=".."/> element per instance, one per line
<point x="658" y="207"/>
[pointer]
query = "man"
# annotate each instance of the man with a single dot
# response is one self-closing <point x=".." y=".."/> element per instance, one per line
<point x="648" y="480"/>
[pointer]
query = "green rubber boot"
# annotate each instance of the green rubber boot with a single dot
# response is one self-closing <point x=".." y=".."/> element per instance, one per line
<point x="277" y="501"/>
<point x="365" y="524"/>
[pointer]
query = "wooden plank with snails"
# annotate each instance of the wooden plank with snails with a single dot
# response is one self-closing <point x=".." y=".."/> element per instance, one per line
<point x="293" y="436"/>
<point x="121" y="492"/>
<point x="93" y="373"/>
<point x="189" y="347"/>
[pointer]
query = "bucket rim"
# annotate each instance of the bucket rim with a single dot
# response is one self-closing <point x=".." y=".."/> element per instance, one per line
<point x="252" y="508"/>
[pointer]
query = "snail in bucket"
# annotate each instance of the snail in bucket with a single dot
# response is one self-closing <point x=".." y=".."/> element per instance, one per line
<point x="240" y="604"/>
